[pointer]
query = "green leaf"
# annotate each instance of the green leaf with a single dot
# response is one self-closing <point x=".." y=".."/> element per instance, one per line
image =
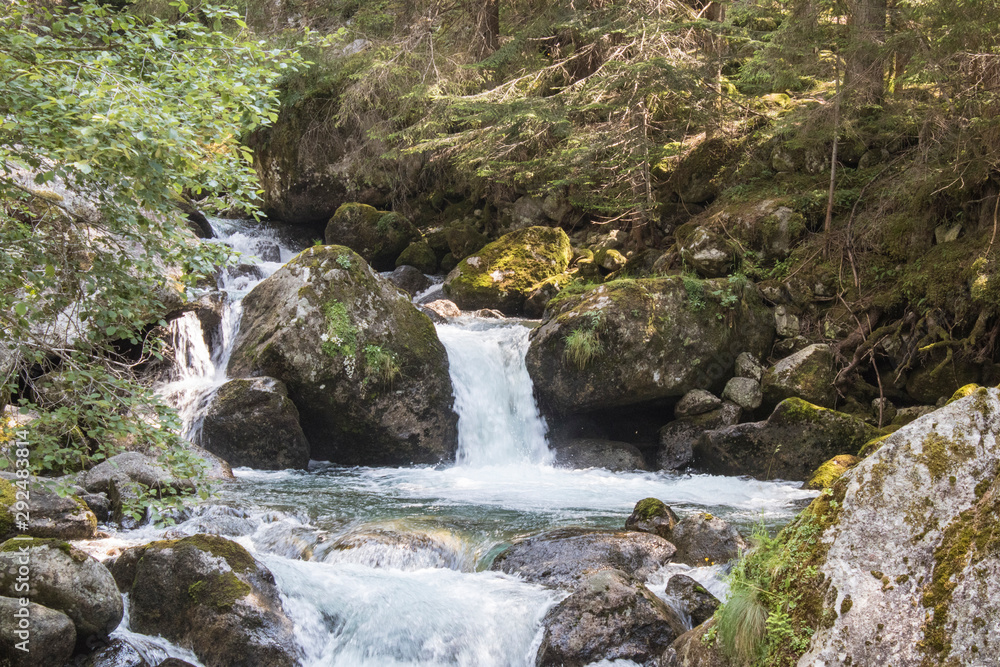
<point x="20" y="308"/>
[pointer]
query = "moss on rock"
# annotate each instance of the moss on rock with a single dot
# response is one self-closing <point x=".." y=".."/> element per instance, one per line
<point x="831" y="471"/>
<point x="419" y="255"/>
<point x="219" y="590"/>
<point x="504" y="273"/>
<point x="378" y="236"/>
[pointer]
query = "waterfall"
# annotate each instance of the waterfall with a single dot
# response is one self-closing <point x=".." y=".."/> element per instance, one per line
<point x="498" y="420"/>
<point x="198" y="370"/>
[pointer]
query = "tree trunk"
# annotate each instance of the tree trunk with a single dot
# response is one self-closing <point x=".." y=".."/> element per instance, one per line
<point x="864" y="82"/>
<point x="487" y="39"/>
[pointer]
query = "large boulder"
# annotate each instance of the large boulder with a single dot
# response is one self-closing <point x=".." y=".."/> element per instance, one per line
<point x="502" y="274"/>
<point x="32" y="635"/>
<point x="705" y="250"/>
<point x="563" y="557"/>
<point x="597" y="453"/>
<point x="51" y="515"/>
<point x="790" y="444"/>
<point x="378" y="236"/>
<point x="252" y="422"/>
<point x="63" y="578"/>
<point x="807" y="374"/>
<point x="611" y="616"/>
<point x="904" y="552"/>
<point x="125" y="478"/>
<point x="690" y="597"/>
<point x="363" y="366"/>
<point x="652" y="515"/>
<point x="208" y="594"/>
<point x="631" y="342"/>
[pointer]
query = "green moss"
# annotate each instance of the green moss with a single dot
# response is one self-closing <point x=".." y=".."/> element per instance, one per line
<point x="238" y="558"/>
<point x="846" y="605"/>
<point x="341" y="334"/>
<point x="831" y="471"/>
<point x="967" y="390"/>
<point x="939" y="454"/>
<point x="219" y="590"/>
<point x="650" y="508"/>
<point x="783" y="571"/>
<point x="39" y="542"/>
<point x="872" y="445"/>
<point x="8" y="496"/>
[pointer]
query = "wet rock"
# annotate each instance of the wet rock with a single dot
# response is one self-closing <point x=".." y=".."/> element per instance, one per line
<point x="209" y="595"/>
<point x="744" y="392"/>
<point x="596" y="453"/>
<point x="410" y="279"/>
<point x="504" y="273"/>
<point x="807" y="374"/>
<point x="378" y="236"/>
<point x="652" y="515"/>
<point x="691" y="598"/>
<point x="831" y="471"/>
<point x="443" y="309"/>
<point x="420" y="256"/>
<point x="51" y="637"/>
<point x="703" y="539"/>
<point x="363" y="366"/>
<point x="216" y="469"/>
<point x="909" y="536"/>
<point x="253" y="423"/>
<point x="678" y="438"/>
<point x="561" y="558"/>
<point x="705" y="250"/>
<point x="611" y="616"/>
<point x="51" y="515"/>
<point x="790" y="444"/>
<point x="399" y="550"/>
<point x="118" y="653"/>
<point x="696" y="402"/>
<point x="644" y="342"/>
<point x="64" y="579"/>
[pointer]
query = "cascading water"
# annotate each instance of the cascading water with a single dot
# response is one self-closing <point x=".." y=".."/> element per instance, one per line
<point x="384" y="566"/>
<point x="498" y="421"/>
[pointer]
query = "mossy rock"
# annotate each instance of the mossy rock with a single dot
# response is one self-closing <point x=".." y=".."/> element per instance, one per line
<point x="51" y="515"/>
<point x="363" y="366"/>
<point x="464" y="239"/>
<point x="378" y="236"/>
<point x="698" y="177"/>
<point x="210" y="595"/>
<point x="808" y="374"/>
<point x="792" y="443"/>
<point x="963" y="392"/>
<point x="503" y="274"/>
<point x="630" y="342"/>
<point x="610" y="259"/>
<point x="419" y="255"/>
<point x="831" y="471"/>
<point x="899" y="561"/>
<point x="934" y="380"/>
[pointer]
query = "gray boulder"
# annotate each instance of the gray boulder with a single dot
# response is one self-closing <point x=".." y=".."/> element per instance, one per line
<point x="65" y="579"/>
<point x="135" y="467"/>
<point x="703" y="539"/>
<point x="611" y="616"/>
<point x="34" y="636"/>
<point x="253" y="423"/>
<point x="907" y="555"/>
<point x="808" y="374"/>
<point x="561" y="558"/>
<point x="749" y="367"/>
<point x="597" y="453"/>
<point x="795" y="440"/>
<point x="209" y="595"/>
<point x="706" y="251"/>
<point x="410" y="279"/>
<point x="744" y="392"/>
<point x="631" y="342"/>
<point x="363" y="366"/>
